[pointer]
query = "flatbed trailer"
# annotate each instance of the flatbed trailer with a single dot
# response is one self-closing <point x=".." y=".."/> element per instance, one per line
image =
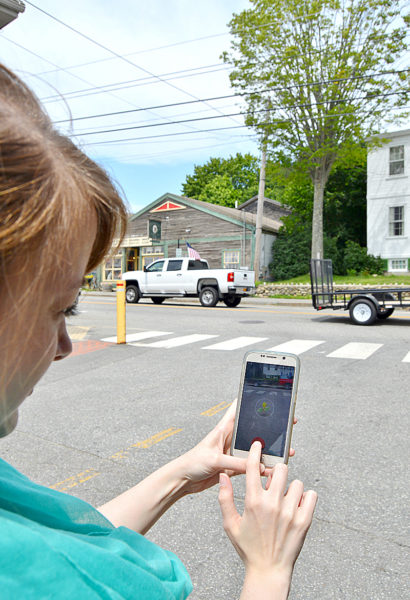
<point x="364" y="306"/>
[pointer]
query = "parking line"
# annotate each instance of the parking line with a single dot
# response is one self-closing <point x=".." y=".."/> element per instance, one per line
<point x="216" y="409"/>
<point x="355" y="350"/>
<point x="297" y="346"/>
<point x="406" y="358"/>
<point x="180" y="341"/>
<point x="136" y="337"/>
<point x="71" y="482"/>
<point x="234" y="343"/>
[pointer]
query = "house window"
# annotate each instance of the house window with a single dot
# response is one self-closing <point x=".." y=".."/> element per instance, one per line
<point x="112" y="268"/>
<point x="396" y="160"/>
<point x="231" y="259"/>
<point x="396" y="220"/>
<point x="398" y="264"/>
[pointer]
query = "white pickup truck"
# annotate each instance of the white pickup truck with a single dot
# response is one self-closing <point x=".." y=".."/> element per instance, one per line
<point x="176" y="277"/>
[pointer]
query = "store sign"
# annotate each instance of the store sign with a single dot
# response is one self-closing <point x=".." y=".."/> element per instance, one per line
<point x="154" y="230"/>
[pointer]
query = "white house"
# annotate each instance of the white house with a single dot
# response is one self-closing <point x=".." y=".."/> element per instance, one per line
<point x="388" y="201"/>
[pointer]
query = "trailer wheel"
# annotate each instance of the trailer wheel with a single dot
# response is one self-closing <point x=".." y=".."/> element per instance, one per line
<point x="132" y="295"/>
<point x="385" y="313"/>
<point x="363" y="312"/>
<point x="208" y="296"/>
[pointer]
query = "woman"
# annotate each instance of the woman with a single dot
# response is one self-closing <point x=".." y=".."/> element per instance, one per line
<point x="59" y="213"/>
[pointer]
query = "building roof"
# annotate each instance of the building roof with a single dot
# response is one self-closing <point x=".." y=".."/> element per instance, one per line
<point x="234" y="215"/>
<point x="269" y="200"/>
<point x="389" y="134"/>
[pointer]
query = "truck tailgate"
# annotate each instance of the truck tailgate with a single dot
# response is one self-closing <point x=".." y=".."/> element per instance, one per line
<point x="244" y="278"/>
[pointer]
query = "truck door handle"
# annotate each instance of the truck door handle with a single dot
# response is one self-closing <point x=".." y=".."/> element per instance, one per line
<point x="179" y="274"/>
<point x="159" y="275"/>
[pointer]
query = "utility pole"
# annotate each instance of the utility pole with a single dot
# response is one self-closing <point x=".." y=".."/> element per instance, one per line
<point x="259" y="213"/>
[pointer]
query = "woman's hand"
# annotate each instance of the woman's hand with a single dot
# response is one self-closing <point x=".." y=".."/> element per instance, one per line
<point x="203" y="464"/>
<point x="270" y="534"/>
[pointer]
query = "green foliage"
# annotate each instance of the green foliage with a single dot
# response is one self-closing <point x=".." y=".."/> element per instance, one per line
<point x="356" y="260"/>
<point x="291" y="253"/>
<point x="226" y="180"/>
<point x="307" y="67"/>
<point x="291" y="256"/>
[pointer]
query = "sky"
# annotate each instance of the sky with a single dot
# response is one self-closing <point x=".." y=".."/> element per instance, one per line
<point x="139" y="55"/>
<point x="154" y="63"/>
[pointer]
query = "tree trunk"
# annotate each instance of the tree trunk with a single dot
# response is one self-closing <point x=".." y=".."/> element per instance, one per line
<point x="319" y="177"/>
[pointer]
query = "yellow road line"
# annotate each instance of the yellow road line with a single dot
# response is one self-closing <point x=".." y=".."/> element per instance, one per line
<point x="154" y="439"/>
<point x="71" y="482"/>
<point x="216" y="409"/>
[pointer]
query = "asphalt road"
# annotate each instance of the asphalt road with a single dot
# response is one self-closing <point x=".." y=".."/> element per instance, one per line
<point x="108" y="415"/>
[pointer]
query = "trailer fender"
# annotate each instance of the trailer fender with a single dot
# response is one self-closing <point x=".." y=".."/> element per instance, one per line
<point x="370" y="297"/>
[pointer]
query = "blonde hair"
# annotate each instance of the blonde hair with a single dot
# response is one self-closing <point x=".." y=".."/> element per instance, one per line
<point x="47" y="185"/>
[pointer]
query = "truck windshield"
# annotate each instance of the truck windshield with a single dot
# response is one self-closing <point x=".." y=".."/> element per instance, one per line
<point x="197" y="264"/>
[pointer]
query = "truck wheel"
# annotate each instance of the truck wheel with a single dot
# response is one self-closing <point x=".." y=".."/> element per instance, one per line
<point x="157" y="299"/>
<point x="232" y="301"/>
<point x="208" y="296"/>
<point x="385" y="313"/>
<point x="363" y="312"/>
<point x="132" y="294"/>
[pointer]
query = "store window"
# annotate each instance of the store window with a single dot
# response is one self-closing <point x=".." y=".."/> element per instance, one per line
<point x="398" y="264"/>
<point x="396" y="160"/>
<point x="231" y="259"/>
<point x="151" y="253"/>
<point x="396" y="220"/>
<point x="112" y="268"/>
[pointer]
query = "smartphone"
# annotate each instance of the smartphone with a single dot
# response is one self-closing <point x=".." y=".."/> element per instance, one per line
<point x="266" y="405"/>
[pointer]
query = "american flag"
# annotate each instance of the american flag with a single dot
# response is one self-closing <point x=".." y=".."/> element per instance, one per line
<point x="192" y="253"/>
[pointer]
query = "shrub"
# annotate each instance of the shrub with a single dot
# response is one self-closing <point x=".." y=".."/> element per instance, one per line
<point x="356" y="260"/>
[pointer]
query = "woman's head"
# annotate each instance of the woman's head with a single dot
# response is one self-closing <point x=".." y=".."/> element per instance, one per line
<point x="59" y="213"/>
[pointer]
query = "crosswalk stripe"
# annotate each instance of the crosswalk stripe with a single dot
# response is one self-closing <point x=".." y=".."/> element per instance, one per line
<point x="356" y="350"/>
<point x="297" y="346"/>
<point x="235" y="343"/>
<point x="406" y="358"/>
<point x="135" y="337"/>
<point x="180" y="341"/>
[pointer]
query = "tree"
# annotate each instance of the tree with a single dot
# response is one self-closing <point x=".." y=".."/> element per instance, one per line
<point x="226" y="180"/>
<point x="319" y="77"/>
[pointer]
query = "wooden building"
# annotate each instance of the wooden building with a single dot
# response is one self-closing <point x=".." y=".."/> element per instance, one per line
<point x="224" y="236"/>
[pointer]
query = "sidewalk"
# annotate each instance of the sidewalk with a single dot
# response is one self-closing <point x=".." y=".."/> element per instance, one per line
<point x="247" y="301"/>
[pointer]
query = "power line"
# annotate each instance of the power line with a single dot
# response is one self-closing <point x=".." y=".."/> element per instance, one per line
<point x="113" y="52"/>
<point x="150" y="137"/>
<point x="126" y="140"/>
<point x="240" y="94"/>
<point x="124" y="85"/>
<point x="237" y="114"/>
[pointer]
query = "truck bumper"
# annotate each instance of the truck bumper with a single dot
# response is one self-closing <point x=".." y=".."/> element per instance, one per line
<point x="241" y="290"/>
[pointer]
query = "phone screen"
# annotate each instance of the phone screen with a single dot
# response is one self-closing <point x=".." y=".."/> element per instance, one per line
<point x="265" y="406"/>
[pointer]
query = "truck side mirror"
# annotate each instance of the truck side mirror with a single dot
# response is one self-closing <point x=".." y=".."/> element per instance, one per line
<point x="145" y="268"/>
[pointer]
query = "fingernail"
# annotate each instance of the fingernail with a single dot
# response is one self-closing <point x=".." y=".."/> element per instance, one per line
<point x="222" y="481"/>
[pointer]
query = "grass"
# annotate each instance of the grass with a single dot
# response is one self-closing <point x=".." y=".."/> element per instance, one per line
<point x="373" y="280"/>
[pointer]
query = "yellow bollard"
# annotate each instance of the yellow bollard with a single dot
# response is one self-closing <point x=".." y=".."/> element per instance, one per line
<point x="121" y="287"/>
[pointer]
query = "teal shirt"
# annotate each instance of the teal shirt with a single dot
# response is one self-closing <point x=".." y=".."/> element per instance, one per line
<point x="53" y="545"/>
